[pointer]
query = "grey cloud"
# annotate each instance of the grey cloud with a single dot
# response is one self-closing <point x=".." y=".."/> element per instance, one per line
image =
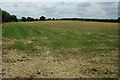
<point x="63" y="9"/>
<point x="83" y="4"/>
<point x="97" y="10"/>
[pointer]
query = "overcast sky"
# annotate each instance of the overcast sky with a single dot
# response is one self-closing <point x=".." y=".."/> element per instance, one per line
<point x="62" y="9"/>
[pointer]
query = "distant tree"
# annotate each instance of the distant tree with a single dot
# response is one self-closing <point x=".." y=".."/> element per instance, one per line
<point x="14" y="18"/>
<point x="0" y="16"/>
<point x="24" y="19"/>
<point x="53" y="18"/>
<point x="42" y="18"/>
<point x="87" y="19"/>
<point x="30" y="19"/>
<point x="36" y="19"/>
<point x="49" y="19"/>
<point x="119" y="19"/>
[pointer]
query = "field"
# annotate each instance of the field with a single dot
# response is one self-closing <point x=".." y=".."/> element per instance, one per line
<point x="60" y="49"/>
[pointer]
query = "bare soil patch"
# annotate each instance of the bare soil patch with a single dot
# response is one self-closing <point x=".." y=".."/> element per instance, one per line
<point x="51" y="65"/>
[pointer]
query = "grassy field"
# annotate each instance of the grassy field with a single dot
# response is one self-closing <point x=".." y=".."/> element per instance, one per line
<point x="94" y="42"/>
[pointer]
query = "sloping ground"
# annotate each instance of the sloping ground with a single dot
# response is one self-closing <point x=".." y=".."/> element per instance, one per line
<point x="60" y="49"/>
<point x="20" y="64"/>
<point x="50" y="65"/>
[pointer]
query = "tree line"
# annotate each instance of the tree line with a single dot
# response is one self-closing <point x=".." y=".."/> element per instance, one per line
<point x="42" y="18"/>
<point x="6" y="17"/>
<point x="97" y="20"/>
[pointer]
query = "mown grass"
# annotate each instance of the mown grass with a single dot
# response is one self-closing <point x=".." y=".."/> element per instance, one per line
<point x="96" y="43"/>
<point x="62" y="35"/>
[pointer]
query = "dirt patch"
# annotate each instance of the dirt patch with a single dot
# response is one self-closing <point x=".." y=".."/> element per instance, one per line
<point x="58" y="64"/>
<point x="52" y="65"/>
<point x="89" y="33"/>
<point x="44" y="37"/>
<point x="6" y="41"/>
<point x="27" y="41"/>
<point x="107" y="35"/>
<point x="32" y="38"/>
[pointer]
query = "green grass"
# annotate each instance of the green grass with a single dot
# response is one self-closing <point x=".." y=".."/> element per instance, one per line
<point x="62" y="36"/>
<point x="93" y="44"/>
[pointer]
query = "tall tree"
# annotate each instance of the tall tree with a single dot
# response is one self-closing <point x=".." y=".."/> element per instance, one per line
<point x="53" y="18"/>
<point x="42" y="18"/>
<point x="24" y="19"/>
<point x="119" y="19"/>
<point x="14" y="18"/>
<point x="0" y="16"/>
<point x="30" y="19"/>
<point x="6" y="17"/>
<point x="36" y="19"/>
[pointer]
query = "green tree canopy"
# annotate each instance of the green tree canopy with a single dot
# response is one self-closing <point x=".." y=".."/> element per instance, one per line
<point x="6" y="17"/>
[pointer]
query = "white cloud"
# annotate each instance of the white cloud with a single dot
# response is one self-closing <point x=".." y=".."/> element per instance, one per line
<point x="59" y="0"/>
<point x="62" y="9"/>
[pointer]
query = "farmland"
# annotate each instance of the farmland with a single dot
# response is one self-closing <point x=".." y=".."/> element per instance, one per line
<point x="60" y="49"/>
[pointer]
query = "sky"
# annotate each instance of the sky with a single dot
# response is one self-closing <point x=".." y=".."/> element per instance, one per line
<point x="102" y="10"/>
